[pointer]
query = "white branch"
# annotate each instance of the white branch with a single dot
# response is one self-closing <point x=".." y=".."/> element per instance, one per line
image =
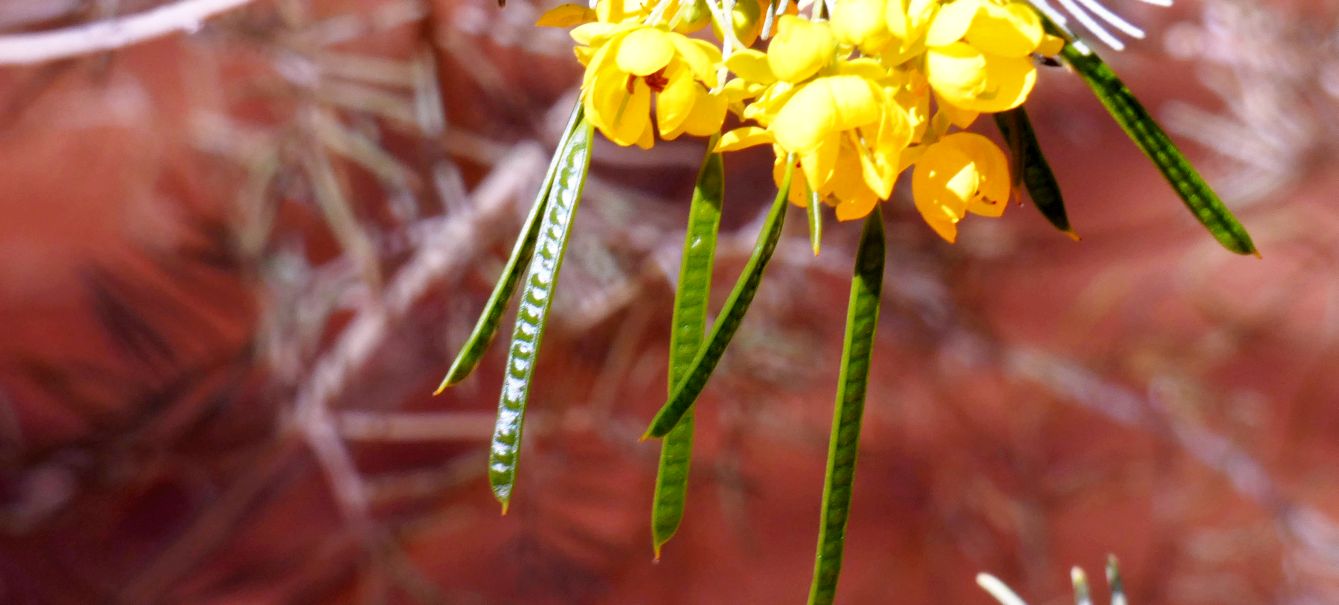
<point x="110" y="34"/>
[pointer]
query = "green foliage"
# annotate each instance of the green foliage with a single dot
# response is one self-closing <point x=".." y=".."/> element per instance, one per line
<point x="540" y="281"/>
<point x="1145" y="132"/>
<point x="486" y="327"/>
<point x="689" y="325"/>
<point x="862" y="317"/>
<point x="1031" y="168"/>
<point x="687" y="389"/>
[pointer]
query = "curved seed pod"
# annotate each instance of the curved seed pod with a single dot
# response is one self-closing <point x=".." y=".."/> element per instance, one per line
<point x="1139" y="125"/>
<point x="689" y="328"/>
<point x="862" y="317"/>
<point x="1031" y="168"/>
<point x="540" y="281"/>
<point x="686" y="390"/>
<point x="486" y="327"/>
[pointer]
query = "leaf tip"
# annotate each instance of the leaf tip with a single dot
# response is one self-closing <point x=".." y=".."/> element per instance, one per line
<point x="505" y="504"/>
<point x="1072" y="235"/>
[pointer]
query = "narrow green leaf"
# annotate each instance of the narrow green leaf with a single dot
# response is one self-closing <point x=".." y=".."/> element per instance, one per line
<point x="862" y="317"/>
<point x="1139" y="125"/>
<point x="687" y="389"/>
<point x="486" y="327"/>
<point x="815" y="222"/>
<point x="1031" y="168"/>
<point x="540" y="281"/>
<point x="689" y="328"/>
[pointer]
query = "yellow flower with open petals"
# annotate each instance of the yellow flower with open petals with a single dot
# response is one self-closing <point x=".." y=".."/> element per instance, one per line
<point x="846" y="132"/>
<point x="628" y="63"/>
<point x="978" y="53"/>
<point x="962" y="172"/>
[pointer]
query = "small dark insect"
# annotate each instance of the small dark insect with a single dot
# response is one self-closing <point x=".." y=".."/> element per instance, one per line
<point x="1047" y="61"/>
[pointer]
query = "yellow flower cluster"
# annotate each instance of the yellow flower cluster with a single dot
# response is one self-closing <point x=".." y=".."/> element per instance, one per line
<point x="853" y="100"/>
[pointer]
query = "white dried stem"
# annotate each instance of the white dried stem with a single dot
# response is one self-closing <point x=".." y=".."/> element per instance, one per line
<point x="111" y="34"/>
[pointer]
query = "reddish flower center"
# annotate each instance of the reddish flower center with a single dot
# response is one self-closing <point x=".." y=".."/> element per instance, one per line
<point x="656" y="81"/>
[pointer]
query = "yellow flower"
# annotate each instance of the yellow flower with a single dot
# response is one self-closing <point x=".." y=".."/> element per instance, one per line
<point x="962" y="172"/>
<point x="845" y="130"/>
<point x="800" y="48"/>
<point x="907" y="21"/>
<point x="978" y="53"/>
<point x="860" y="23"/>
<point x="841" y="119"/>
<point x="626" y="63"/>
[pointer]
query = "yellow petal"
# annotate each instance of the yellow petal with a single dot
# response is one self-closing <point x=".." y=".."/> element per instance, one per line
<point x="566" y="15"/>
<point x="707" y="116"/>
<point x="856" y="207"/>
<point x="908" y="20"/>
<point x="964" y="76"/>
<point x="701" y="57"/>
<point x="1051" y="45"/>
<point x="675" y="102"/>
<point x="1009" y="80"/>
<point x="854" y="197"/>
<point x="860" y="23"/>
<point x="800" y="48"/>
<point x="952" y="22"/>
<point x="583" y="53"/>
<point x="957" y="72"/>
<point x="799" y="191"/>
<point x="769" y="103"/>
<point x="962" y="118"/>
<point x="634" y="123"/>
<point x="644" y="51"/>
<point x="943" y="182"/>
<point x="992" y="169"/>
<point x="647" y="138"/>
<point x="825" y="107"/>
<point x="818" y="163"/>
<point x="622" y="117"/>
<point x="1012" y="30"/>
<point x="597" y="33"/>
<point x="743" y="137"/>
<point x="739" y="89"/>
<point x="602" y="92"/>
<point x="867" y="68"/>
<point x="750" y="65"/>
<point x="615" y="11"/>
<point x="876" y="170"/>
